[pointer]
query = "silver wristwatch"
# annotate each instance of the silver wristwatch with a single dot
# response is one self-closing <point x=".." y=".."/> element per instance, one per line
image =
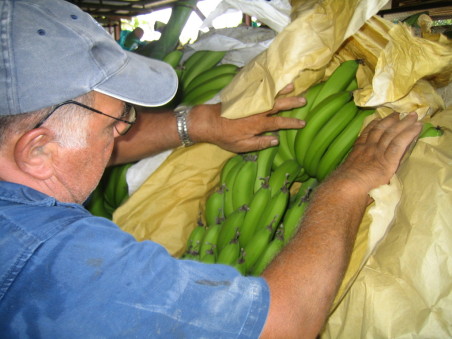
<point x="181" y="113"/>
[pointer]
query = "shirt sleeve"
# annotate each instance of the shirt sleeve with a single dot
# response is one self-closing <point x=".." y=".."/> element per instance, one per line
<point x="94" y="280"/>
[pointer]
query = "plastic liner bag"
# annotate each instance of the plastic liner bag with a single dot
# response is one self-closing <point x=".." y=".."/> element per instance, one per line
<point x="165" y="208"/>
<point x="275" y="13"/>
<point x="241" y="43"/>
<point x="404" y="290"/>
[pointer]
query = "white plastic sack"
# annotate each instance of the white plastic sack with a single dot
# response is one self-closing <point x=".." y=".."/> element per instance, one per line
<point x="274" y="13"/>
<point x="241" y="43"/>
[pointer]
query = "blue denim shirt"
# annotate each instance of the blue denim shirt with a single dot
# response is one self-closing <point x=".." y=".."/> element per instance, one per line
<point x="67" y="274"/>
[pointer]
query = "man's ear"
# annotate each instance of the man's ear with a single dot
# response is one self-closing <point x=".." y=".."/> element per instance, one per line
<point x="34" y="152"/>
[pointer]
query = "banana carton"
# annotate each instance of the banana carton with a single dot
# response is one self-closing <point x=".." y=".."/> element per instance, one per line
<point x="398" y="283"/>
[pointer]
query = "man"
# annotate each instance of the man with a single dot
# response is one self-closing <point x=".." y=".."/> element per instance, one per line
<point x="131" y="40"/>
<point x="65" y="93"/>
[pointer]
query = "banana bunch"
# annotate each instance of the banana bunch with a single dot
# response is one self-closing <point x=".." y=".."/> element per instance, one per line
<point x="257" y="207"/>
<point x="244" y="220"/>
<point x="333" y="122"/>
<point x="110" y="193"/>
<point x="201" y="76"/>
<point x="262" y="196"/>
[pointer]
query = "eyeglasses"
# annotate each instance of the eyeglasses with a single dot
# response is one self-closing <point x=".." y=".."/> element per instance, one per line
<point x="128" y="118"/>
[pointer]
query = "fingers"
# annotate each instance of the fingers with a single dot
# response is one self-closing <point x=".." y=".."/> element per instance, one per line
<point x="261" y="142"/>
<point x="392" y="130"/>
<point x="287" y="103"/>
<point x="273" y="123"/>
<point x="286" y="90"/>
<point x="400" y="136"/>
<point x="377" y="153"/>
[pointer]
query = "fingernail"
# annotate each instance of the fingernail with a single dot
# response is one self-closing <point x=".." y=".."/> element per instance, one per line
<point x="274" y="142"/>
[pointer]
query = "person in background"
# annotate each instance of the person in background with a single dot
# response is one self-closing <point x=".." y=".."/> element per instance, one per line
<point x="67" y="274"/>
<point x="131" y="40"/>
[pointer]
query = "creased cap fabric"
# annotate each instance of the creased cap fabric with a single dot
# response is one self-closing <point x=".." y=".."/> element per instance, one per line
<point x="52" y="51"/>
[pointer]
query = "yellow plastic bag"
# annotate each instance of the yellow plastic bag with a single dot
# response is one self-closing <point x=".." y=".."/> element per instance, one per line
<point x="404" y="290"/>
<point x="166" y="207"/>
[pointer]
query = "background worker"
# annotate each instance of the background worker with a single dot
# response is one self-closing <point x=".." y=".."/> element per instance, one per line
<point x="65" y="273"/>
<point x="131" y="40"/>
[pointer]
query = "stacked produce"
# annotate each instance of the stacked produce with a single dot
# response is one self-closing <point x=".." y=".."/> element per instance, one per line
<point x="201" y="76"/>
<point x="111" y="192"/>
<point x="262" y="195"/>
<point x="252" y="214"/>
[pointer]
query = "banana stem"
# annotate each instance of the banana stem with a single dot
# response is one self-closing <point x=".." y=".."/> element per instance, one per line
<point x="170" y="36"/>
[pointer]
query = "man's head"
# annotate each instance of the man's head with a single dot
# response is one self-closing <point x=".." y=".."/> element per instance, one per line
<point x="138" y="32"/>
<point x="53" y="52"/>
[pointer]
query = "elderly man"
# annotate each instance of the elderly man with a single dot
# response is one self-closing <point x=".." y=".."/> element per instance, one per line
<point x="67" y="91"/>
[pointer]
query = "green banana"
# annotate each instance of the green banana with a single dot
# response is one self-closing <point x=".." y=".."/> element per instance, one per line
<point x="256" y="247"/>
<point x="193" y="59"/>
<point x="208" y="257"/>
<point x="173" y="58"/>
<point x="210" y="239"/>
<point x="230" y="227"/>
<point x="283" y="175"/>
<point x="264" y="165"/>
<point x="352" y="86"/>
<point x="203" y="98"/>
<point x="303" y="192"/>
<point x="430" y="130"/>
<point x="277" y="161"/>
<point x="214" y="210"/>
<point x="322" y="114"/>
<point x="301" y="113"/>
<point x="207" y="90"/>
<point x="229" y="184"/>
<point x="256" y="208"/>
<point x="302" y="176"/>
<point x="326" y="135"/>
<point x="228" y="165"/>
<point x="116" y="189"/>
<point x="274" y="211"/>
<point x="283" y="146"/>
<point x="195" y="239"/>
<point x="240" y="263"/>
<point x="243" y="188"/>
<point x="272" y="250"/>
<point x="96" y="204"/>
<point x="341" y="145"/>
<point x="209" y="60"/>
<point x="211" y="74"/>
<point x="292" y="219"/>
<point x="338" y="81"/>
<point x="229" y="254"/>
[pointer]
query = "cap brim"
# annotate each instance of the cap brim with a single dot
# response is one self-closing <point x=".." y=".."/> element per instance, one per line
<point x="142" y="81"/>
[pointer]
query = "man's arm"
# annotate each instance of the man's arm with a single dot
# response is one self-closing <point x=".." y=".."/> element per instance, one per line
<point x="305" y="277"/>
<point x="156" y="131"/>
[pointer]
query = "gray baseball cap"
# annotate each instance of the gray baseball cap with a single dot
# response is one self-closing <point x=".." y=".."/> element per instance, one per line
<point x="52" y="51"/>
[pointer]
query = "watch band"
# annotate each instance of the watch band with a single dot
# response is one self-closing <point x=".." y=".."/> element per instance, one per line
<point x="181" y="113"/>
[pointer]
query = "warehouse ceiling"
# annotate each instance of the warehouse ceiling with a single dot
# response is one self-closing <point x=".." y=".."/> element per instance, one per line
<point x="121" y="8"/>
<point x="115" y="9"/>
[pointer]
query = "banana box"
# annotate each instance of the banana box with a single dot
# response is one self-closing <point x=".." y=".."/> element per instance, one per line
<point x="398" y="283"/>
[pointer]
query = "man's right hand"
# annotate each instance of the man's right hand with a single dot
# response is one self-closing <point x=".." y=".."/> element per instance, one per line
<point x="305" y="277"/>
<point x="378" y="151"/>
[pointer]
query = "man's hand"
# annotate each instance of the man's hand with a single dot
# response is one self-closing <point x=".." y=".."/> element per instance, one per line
<point x="378" y="151"/>
<point x="305" y="277"/>
<point x="244" y="134"/>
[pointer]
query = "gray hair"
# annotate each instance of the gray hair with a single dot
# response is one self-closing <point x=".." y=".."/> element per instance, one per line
<point x="69" y="123"/>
